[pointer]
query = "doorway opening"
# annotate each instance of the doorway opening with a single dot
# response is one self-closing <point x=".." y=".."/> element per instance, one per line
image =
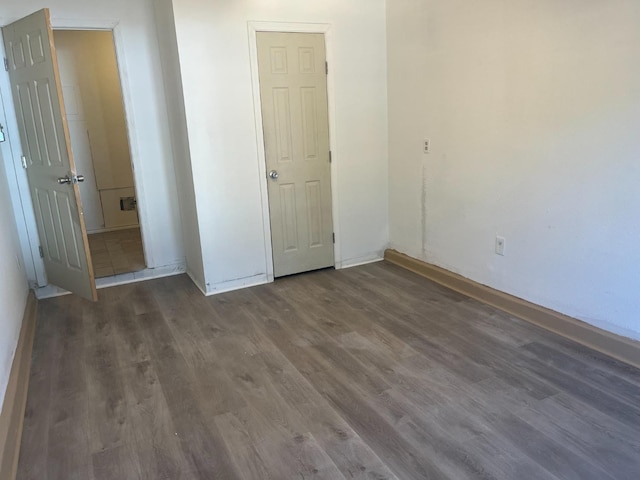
<point x="95" y="114"/>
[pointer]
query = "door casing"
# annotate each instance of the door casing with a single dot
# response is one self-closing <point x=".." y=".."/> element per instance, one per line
<point x="286" y="27"/>
<point x="33" y="263"/>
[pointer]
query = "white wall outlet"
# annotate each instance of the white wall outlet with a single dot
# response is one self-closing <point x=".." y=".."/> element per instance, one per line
<point x="426" y="146"/>
<point x="500" y="244"/>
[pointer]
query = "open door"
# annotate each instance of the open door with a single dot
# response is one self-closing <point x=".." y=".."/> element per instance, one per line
<point x="53" y="180"/>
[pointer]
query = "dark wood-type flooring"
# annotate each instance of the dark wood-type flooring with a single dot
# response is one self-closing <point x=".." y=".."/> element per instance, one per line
<point x="368" y="373"/>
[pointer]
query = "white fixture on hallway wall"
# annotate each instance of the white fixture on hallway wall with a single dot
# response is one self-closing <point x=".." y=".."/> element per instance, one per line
<point x="500" y="244"/>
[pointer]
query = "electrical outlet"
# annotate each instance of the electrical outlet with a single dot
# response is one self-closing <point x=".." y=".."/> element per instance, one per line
<point x="500" y="244"/>
<point x="427" y="146"/>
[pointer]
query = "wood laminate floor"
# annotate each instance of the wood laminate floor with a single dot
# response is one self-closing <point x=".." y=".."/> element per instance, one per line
<point x="116" y="252"/>
<point x="367" y="373"/>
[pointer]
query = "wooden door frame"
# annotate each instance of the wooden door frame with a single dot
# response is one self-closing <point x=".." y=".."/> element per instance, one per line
<point x="292" y="27"/>
<point x="13" y="148"/>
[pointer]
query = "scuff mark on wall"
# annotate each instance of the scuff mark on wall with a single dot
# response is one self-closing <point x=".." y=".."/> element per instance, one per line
<point x="424" y="209"/>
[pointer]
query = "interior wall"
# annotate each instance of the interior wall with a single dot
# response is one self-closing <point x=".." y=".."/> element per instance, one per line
<point x="76" y="80"/>
<point x="174" y="93"/>
<point x="117" y="171"/>
<point x="215" y="65"/>
<point x="97" y="124"/>
<point x="13" y="280"/>
<point x="533" y="112"/>
<point x="135" y="32"/>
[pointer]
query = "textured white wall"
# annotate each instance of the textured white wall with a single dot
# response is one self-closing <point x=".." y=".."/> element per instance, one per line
<point x="216" y="75"/>
<point x="533" y="109"/>
<point x="13" y="280"/>
<point x="97" y="125"/>
<point x="84" y="114"/>
<point x="180" y="139"/>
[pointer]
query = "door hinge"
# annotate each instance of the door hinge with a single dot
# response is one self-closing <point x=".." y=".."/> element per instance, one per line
<point x="326" y="67"/>
<point x="6" y="64"/>
<point x="333" y="235"/>
<point x="330" y="157"/>
<point x="23" y="161"/>
<point x="41" y="251"/>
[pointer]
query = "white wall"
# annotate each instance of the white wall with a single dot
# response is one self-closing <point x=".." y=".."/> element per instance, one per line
<point x="216" y="75"/>
<point x="13" y="280"/>
<point x="117" y="171"/>
<point x="78" y="83"/>
<point x="140" y="66"/>
<point x="533" y="109"/>
<point x="179" y="139"/>
<point x="97" y="125"/>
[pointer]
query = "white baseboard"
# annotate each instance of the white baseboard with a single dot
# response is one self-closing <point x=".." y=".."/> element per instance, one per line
<point x="237" y="284"/>
<point x="196" y="282"/>
<point x="362" y="260"/>
<point x="120" y="279"/>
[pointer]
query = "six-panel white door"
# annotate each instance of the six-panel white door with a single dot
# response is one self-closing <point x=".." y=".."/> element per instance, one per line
<point x="35" y="84"/>
<point x="293" y="91"/>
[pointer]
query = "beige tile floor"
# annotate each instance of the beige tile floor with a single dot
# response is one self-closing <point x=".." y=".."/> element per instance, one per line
<point x="116" y="252"/>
